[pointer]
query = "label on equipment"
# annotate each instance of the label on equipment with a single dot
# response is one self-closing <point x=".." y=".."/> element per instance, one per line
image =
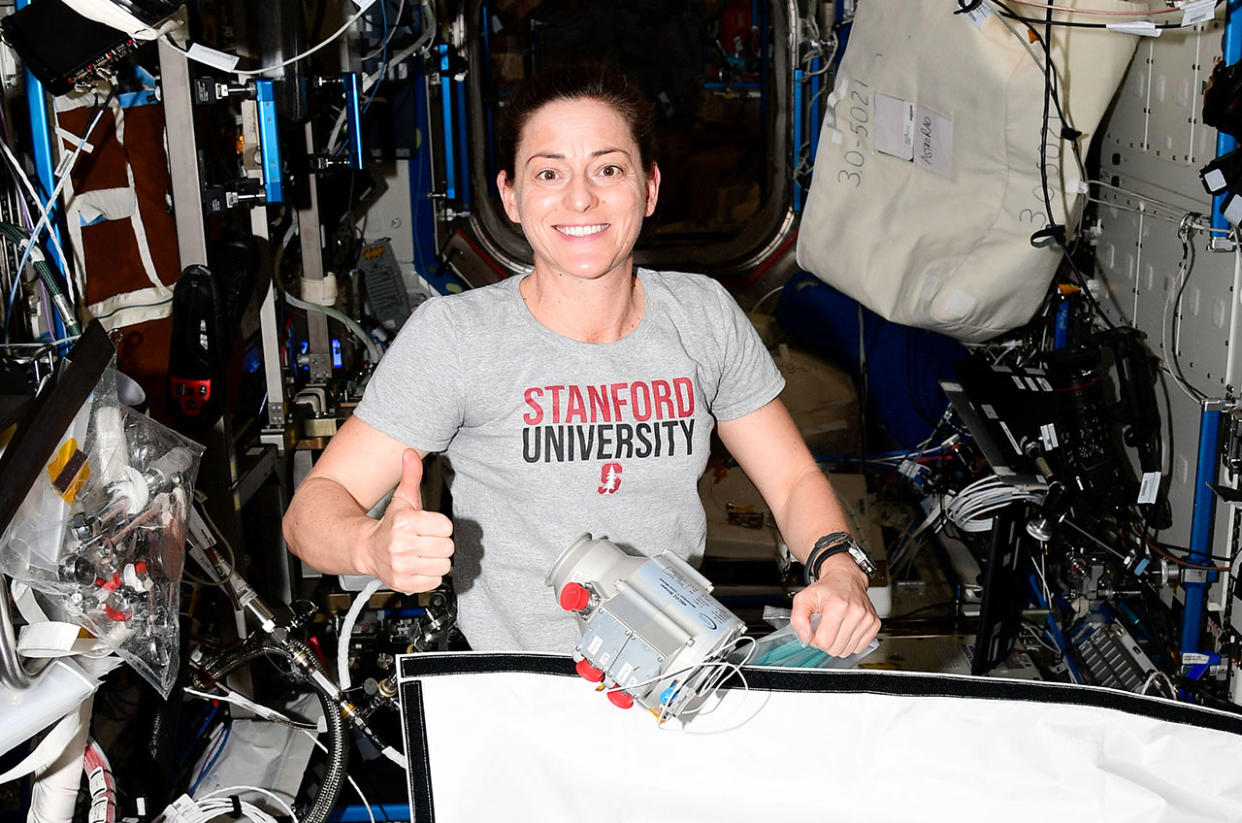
<point x="1143" y="28"/>
<point x="685" y="596"/>
<point x="97" y="781"/>
<point x="1048" y="434"/>
<point x="1195" y="659"/>
<point x="1198" y="11"/>
<point x="1149" y="487"/>
<point x="980" y="13"/>
<point x="212" y="57"/>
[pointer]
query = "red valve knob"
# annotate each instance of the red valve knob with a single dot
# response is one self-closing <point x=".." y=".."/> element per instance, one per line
<point x="620" y="699"/>
<point x="574" y="597"/>
<point x="588" y="672"/>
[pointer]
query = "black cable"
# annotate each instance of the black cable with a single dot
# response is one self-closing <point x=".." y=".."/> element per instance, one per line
<point x="1057" y="233"/>
<point x="1012" y="15"/>
<point x="924" y="609"/>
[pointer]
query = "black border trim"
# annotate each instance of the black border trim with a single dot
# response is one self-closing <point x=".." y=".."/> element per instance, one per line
<point x="847" y="682"/>
<point x="417" y="753"/>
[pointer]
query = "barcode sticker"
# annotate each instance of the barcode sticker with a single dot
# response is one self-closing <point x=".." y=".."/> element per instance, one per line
<point x="1149" y="488"/>
<point x="1048" y="434"/>
<point x="980" y="13"/>
<point x="1198" y="11"/>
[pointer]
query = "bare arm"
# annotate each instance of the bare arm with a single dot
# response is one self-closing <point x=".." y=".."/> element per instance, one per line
<point x="770" y="450"/>
<point x="327" y="526"/>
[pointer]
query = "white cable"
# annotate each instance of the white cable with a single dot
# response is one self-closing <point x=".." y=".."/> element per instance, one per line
<point x="44" y="219"/>
<point x="252" y="72"/>
<point x="372" y="347"/>
<point x="392" y="29"/>
<point x="244" y="702"/>
<point x="228" y="791"/>
<point x="357" y="790"/>
<point x="424" y="39"/>
<point x="347" y="629"/>
<point x="34" y="198"/>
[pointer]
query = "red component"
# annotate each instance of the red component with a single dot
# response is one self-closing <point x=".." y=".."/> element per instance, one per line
<point x="574" y="597"/>
<point x="620" y="699"/>
<point x="191" y="395"/>
<point x="588" y="672"/>
<point x="118" y="615"/>
<point x="140" y="567"/>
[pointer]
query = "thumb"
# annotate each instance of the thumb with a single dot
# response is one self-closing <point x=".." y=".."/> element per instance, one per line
<point x="409" y="489"/>
<point x="800" y="618"/>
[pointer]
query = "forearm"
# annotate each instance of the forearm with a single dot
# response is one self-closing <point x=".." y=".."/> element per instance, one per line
<point x="808" y="511"/>
<point x="326" y="527"/>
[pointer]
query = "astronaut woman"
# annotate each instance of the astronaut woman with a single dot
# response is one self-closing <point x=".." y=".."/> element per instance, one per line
<point x="578" y="398"/>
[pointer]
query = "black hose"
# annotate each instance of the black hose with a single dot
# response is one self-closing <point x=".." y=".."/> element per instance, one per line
<point x="302" y="658"/>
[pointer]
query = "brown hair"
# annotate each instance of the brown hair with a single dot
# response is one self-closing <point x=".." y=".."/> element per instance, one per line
<point x="579" y="81"/>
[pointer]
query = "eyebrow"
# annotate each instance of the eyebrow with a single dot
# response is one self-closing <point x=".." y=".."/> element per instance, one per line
<point x="557" y="156"/>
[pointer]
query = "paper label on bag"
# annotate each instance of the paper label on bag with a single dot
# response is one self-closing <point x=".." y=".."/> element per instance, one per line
<point x="933" y="141"/>
<point x="894" y="126"/>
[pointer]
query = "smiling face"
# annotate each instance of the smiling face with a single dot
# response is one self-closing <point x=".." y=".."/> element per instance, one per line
<point x="579" y="189"/>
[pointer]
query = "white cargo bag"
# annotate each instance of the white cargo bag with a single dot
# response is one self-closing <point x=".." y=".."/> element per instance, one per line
<point x="926" y="188"/>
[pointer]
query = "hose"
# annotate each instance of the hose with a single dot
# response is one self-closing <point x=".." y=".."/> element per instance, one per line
<point x="347" y="629"/>
<point x="303" y="659"/>
<point x="20" y="236"/>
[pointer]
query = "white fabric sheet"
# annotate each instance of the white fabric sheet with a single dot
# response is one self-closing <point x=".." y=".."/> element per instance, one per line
<point x="516" y="745"/>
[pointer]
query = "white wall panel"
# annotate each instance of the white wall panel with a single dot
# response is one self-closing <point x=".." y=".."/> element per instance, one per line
<point x="1153" y="144"/>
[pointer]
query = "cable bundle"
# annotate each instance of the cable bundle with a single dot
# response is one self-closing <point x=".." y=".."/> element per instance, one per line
<point x="971" y="508"/>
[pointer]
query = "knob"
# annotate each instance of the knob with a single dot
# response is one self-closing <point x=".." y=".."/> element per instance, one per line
<point x="574" y="597"/>
<point x="588" y="672"/>
<point x="620" y="699"/>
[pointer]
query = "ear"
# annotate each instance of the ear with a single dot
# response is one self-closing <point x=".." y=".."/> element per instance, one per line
<point x="508" y="197"/>
<point x="653" y="189"/>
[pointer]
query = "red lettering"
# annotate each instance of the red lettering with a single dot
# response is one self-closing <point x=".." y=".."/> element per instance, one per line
<point x="534" y="417"/>
<point x="640" y="401"/>
<point x="577" y="407"/>
<point x="599" y="404"/>
<point x="684" y="390"/>
<point x="618" y="400"/>
<point x="555" y="391"/>
<point x="663" y="399"/>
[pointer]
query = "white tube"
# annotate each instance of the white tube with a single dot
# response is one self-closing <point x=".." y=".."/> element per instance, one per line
<point x="347" y="630"/>
<point x="54" y="789"/>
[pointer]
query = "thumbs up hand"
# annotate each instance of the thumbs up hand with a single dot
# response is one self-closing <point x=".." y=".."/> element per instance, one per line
<point x="409" y="549"/>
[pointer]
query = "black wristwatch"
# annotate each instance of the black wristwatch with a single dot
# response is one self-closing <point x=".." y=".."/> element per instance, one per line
<point x="836" y="543"/>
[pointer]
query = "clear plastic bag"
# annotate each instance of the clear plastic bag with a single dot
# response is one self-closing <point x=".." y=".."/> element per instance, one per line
<point x="785" y="649"/>
<point x="101" y="534"/>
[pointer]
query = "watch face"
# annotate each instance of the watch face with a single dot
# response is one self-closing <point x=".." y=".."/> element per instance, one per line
<point x="860" y="557"/>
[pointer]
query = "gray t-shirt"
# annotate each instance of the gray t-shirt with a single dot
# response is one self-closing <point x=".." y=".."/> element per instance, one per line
<point x="548" y="437"/>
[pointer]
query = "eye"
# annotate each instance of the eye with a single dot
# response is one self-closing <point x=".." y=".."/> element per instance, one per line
<point x="611" y="170"/>
<point x="546" y="175"/>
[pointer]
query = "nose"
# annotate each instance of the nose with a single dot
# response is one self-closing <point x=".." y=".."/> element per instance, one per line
<point x="580" y="193"/>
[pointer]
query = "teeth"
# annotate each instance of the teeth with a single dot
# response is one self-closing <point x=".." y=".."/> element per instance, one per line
<point x="581" y="231"/>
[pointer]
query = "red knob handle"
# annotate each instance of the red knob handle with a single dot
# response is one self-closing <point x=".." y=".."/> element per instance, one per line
<point x="620" y="699"/>
<point x="588" y="672"/>
<point x="574" y="597"/>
